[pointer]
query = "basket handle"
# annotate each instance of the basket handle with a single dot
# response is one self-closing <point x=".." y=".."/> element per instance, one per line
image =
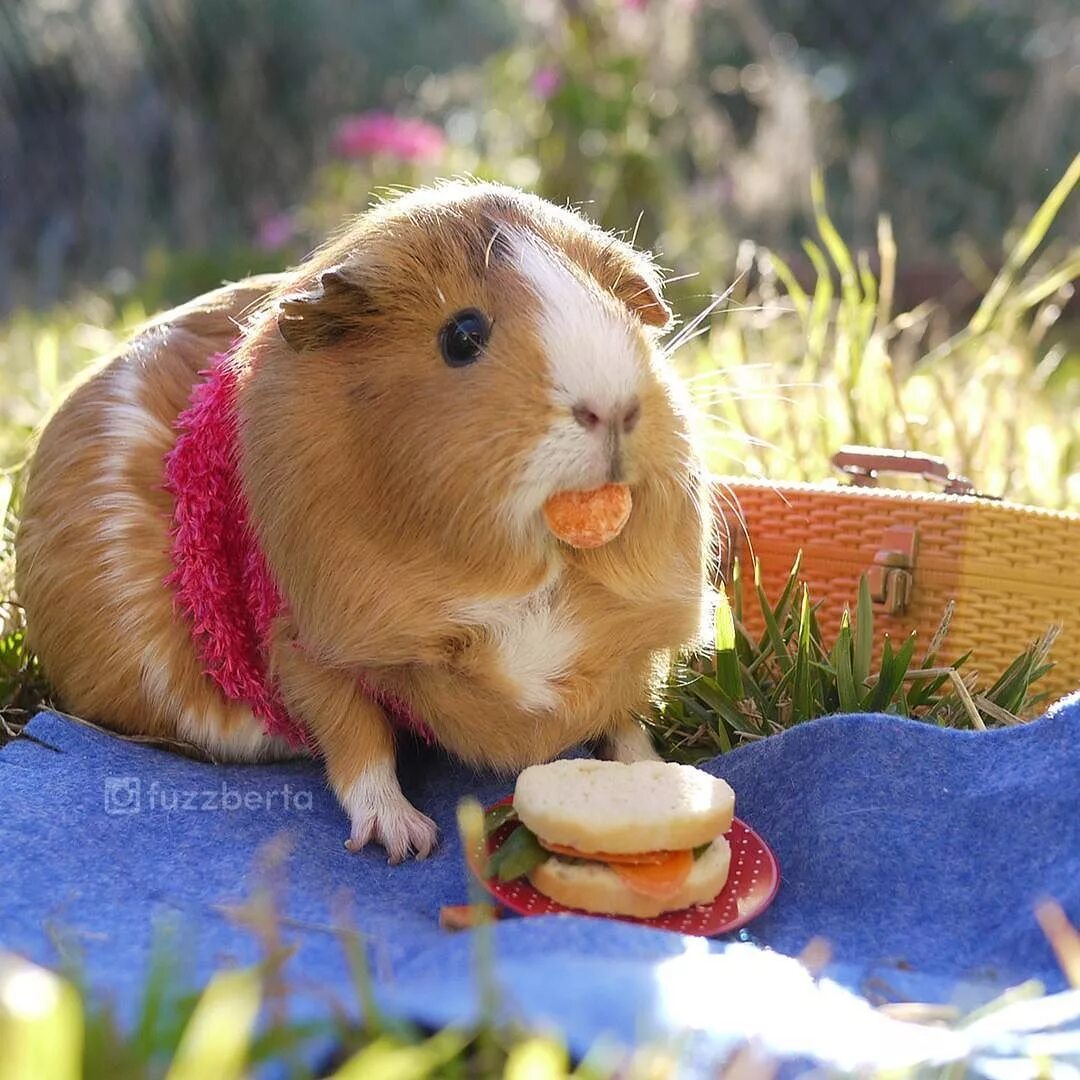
<point x="864" y="464"/>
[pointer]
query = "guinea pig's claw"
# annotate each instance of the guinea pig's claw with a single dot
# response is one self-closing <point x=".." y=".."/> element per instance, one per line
<point x="400" y="828"/>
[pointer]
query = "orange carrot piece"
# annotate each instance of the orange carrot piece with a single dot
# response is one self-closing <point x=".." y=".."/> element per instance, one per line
<point x="589" y="519"/>
<point x="607" y="856"/>
<point x="658" y="880"/>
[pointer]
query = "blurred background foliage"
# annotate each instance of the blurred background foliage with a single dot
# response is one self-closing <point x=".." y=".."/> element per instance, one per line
<point x="151" y="148"/>
<point x="132" y="126"/>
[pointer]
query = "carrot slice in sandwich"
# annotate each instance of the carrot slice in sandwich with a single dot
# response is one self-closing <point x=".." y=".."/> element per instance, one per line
<point x="660" y="879"/>
<point x="606" y="856"/>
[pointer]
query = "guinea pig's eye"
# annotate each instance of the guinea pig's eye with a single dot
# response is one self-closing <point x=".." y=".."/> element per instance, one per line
<point x="464" y="336"/>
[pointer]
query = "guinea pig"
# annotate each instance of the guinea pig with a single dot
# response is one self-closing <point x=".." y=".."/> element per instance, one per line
<point x="303" y="512"/>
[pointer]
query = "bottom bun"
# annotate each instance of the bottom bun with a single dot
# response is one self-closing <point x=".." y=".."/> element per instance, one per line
<point x="593" y="887"/>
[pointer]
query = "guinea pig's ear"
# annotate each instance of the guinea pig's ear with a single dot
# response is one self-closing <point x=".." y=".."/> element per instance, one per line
<point x="335" y="309"/>
<point x="639" y="290"/>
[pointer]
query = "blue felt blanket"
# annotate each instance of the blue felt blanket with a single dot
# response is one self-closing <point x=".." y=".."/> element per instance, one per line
<point x="917" y="853"/>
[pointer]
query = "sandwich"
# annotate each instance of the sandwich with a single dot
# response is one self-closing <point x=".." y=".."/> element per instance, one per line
<point x="615" y="839"/>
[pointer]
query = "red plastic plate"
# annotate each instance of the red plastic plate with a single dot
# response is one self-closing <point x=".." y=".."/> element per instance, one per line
<point x="752" y="883"/>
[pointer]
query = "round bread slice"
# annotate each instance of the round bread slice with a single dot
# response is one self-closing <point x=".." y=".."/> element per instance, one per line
<point x="606" y="806"/>
<point x="593" y="887"/>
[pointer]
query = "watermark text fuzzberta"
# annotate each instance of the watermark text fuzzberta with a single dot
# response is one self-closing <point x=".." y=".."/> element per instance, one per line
<point x="128" y="795"/>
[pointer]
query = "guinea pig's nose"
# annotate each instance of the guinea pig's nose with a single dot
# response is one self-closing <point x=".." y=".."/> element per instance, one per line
<point x="624" y="416"/>
<point x="586" y="416"/>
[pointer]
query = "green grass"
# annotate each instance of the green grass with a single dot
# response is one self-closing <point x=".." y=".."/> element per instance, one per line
<point x="785" y="373"/>
<point x="747" y="688"/>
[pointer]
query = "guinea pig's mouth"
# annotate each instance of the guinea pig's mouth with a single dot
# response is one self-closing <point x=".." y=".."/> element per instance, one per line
<point x="610" y="463"/>
<point x="569" y="460"/>
<point x="616" y="474"/>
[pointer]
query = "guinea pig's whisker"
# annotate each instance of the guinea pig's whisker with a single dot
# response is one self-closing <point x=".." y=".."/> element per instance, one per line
<point x="705" y="312"/>
<point x="778" y="309"/>
<point x="681" y="337"/>
<point x="731" y="501"/>
<point x="672" y="349"/>
<point x="679" y="485"/>
<point x="681" y="277"/>
<point x="752" y="469"/>
<point x="759" y="396"/>
<point x="741" y="393"/>
<point x="685" y="337"/>
<point x="737" y="438"/>
<point x="726" y="372"/>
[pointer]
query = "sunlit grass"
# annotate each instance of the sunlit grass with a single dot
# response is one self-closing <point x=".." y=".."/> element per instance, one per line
<point x="42" y="352"/>
<point x="783" y="375"/>
<point x="749" y="686"/>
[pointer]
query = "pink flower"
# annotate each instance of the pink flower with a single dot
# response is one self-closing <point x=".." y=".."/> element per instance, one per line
<point x="635" y="5"/>
<point x="546" y="81"/>
<point x="275" y="231"/>
<point x="395" y="136"/>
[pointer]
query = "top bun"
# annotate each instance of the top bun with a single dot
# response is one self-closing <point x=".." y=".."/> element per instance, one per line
<point x="606" y="806"/>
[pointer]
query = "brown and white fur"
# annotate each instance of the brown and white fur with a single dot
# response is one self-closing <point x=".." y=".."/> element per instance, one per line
<point x="397" y="499"/>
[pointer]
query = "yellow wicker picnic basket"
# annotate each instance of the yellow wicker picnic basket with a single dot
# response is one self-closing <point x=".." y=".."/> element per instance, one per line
<point x="1012" y="571"/>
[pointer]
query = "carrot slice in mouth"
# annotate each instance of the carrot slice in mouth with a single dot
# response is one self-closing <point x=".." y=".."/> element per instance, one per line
<point x="658" y="880"/>
<point x="607" y="856"/>
<point x="589" y="519"/>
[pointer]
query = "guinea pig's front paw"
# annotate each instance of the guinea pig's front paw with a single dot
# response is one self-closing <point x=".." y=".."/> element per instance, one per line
<point x="379" y="811"/>
<point x="400" y="828"/>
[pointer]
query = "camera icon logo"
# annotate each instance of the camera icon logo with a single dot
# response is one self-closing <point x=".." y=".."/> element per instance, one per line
<point x="122" y="795"/>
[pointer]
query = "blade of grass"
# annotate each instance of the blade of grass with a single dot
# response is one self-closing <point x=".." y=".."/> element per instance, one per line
<point x="864" y="634"/>
<point x="834" y="243"/>
<point x="772" y="629"/>
<point x="790" y="585"/>
<point x="939" y="635"/>
<point x="871" y="698"/>
<point x="727" y="660"/>
<point x="892" y="676"/>
<point x="996" y="712"/>
<point x="1030" y="239"/>
<point x="1057" y="279"/>
<point x="817" y="330"/>
<point x="802" y="687"/>
<point x="389" y="1058"/>
<point x="886" y="244"/>
<point x="219" y="1034"/>
<point x="962" y="692"/>
<point x="716" y="708"/>
<point x="792" y="287"/>
<point x="842" y="664"/>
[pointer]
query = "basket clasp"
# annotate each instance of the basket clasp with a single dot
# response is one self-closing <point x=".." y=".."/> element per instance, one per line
<point x="892" y="575"/>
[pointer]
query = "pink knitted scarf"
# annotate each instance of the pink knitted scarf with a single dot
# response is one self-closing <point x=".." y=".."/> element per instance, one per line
<point x="222" y="582"/>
